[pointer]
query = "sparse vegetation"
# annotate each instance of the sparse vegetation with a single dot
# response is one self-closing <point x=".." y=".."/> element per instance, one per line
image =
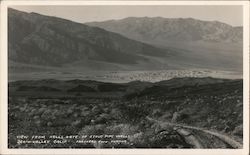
<point x="215" y="106"/>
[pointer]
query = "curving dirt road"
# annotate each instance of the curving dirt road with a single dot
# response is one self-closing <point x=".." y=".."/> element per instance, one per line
<point x="201" y="138"/>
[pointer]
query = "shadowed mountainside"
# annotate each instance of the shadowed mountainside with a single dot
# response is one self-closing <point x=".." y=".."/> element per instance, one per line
<point x="44" y="40"/>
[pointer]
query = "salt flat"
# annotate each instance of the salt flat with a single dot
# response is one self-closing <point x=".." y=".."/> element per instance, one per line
<point x="125" y="76"/>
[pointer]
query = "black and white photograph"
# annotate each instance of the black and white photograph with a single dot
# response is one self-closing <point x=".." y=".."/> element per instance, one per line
<point x="125" y="77"/>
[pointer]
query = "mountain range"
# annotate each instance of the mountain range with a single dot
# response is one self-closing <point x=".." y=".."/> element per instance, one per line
<point x="159" y="30"/>
<point x="36" y="41"/>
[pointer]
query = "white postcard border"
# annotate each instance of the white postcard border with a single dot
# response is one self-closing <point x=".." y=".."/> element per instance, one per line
<point x="4" y="83"/>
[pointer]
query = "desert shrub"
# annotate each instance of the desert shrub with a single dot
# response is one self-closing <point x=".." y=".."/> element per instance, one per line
<point x="98" y="129"/>
<point x="168" y="139"/>
<point x="133" y="113"/>
<point x="156" y="113"/>
<point x="166" y="116"/>
<point x="102" y="118"/>
<point x="116" y="113"/>
<point x="107" y="87"/>
<point x="238" y="131"/>
<point x="125" y="129"/>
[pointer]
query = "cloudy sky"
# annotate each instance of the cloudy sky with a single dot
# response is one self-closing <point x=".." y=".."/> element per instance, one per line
<point x="228" y="14"/>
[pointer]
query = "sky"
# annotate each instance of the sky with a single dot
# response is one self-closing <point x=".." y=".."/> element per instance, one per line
<point x="232" y="15"/>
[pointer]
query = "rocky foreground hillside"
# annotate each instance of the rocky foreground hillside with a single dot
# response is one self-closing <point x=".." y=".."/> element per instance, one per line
<point x="177" y="113"/>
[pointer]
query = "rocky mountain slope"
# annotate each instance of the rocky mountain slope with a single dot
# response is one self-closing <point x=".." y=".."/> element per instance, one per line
<point x="160" y="30"/>
<point x="51" y="41"/>
<point x="208" y="44"/>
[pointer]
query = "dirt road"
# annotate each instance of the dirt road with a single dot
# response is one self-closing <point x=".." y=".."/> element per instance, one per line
<point x="201" y="138"/>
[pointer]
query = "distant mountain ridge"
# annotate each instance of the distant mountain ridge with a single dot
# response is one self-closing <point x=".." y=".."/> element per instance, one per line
<point x="45" y="40"/>
<point x="160" y="30"/>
